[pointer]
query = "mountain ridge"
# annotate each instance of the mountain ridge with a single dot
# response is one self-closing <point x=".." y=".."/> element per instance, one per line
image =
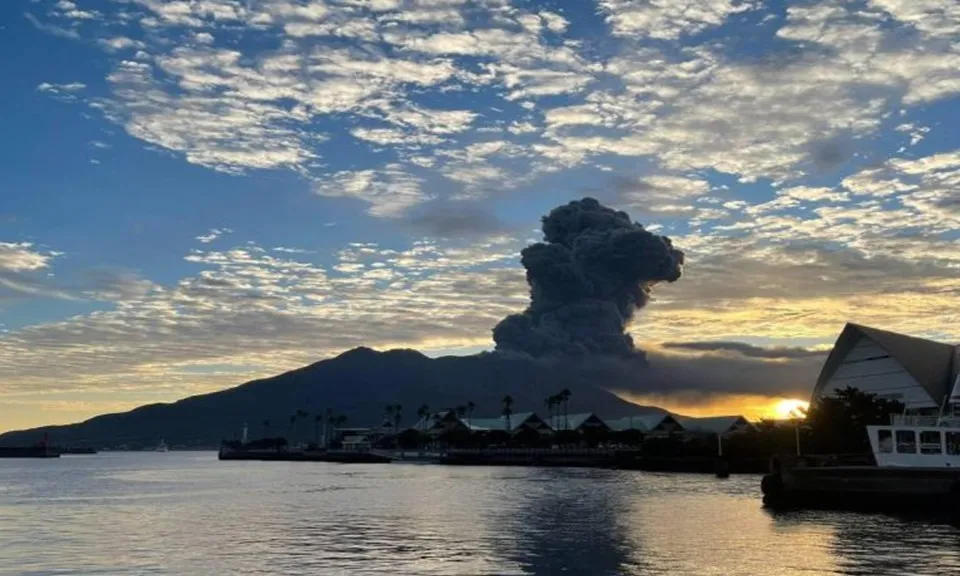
<point x="358" y="383"/>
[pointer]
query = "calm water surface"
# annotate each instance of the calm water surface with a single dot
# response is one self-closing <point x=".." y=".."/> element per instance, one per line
<point x="187" y="513"/>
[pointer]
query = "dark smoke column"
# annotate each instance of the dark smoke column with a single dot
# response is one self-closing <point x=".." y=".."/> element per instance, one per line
<point x="595" y="268"/>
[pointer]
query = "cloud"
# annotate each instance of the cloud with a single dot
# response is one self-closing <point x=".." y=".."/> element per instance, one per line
<point x="52" y="28"/>
<point x="389" y="191"/>
<point x="765" y="156"/>
<point x="744" y="349"/>
<point x="213" y="235"/>
<point x="121" y="43"/>
<point x="63" y="92"/>
<point x="57" y="88"/>
<point x="661" y="195"/>
<point x="220" y="315"/>
<point x="23" y="271"/>
<point x="456" y="219"/>
<point x="668" y="19"/>
<point x="701" y="377"/>
<point x="22" y="256"/>
<point x="830" y="154"/>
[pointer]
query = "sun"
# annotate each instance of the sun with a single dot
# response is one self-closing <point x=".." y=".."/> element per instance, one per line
<point x="790" y="408"/>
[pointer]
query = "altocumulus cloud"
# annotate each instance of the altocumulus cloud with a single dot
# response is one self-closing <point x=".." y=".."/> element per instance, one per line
<point x="679" y="101"/>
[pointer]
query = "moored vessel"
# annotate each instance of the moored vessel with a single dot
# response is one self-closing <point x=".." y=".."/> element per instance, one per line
<point x="914" y="467"/>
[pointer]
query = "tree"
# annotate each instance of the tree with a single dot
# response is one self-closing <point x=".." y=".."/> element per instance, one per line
<point x="301" y="415"/>
<point x="461" y="411"/>
<point x="507" y="410"/>
<point x="266" y="428"/>
<point x="293" y="424"/>
<point x="388" y="415"/>
<point x="564" y="398"/>
<point x="397" y="417"/>
<point x="551" y="403"/>
<point x="837" y="423"/>
<point x="422" y="412"/>
<point x="327" y="422"/>
<point x="316" y="428"/>
<point x="470" y="408"/>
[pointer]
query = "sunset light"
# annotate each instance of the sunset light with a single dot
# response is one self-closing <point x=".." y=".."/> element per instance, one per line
<point x="790" y="408"/>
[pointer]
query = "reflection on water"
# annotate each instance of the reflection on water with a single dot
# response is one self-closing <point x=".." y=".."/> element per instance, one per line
<point x="183" y="513"/>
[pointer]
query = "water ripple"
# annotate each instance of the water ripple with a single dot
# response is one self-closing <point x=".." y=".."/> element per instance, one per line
<point x="186" y="514"/>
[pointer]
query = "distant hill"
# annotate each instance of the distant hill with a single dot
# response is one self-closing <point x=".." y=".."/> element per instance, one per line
<point x="358" y="383"/>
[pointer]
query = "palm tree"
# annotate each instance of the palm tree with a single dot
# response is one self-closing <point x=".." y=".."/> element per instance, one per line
<point x="397" y="417"/>
<point x="564" y="397"/>
<point x="301" y="415"/>
<point x="266" y="428"/>
<point x="388" y="415"/>
<point x="340" y="421"/>
<point x="329" y="421"/>
<point x="293" y="423"/>
<point x="507" y="410"/>
<point x="423" y="411"/>
<point x="461" y="411"/>
<point x="470" y="407"/>
<point x="317" y="418"/>
<point x="551" y="403"/>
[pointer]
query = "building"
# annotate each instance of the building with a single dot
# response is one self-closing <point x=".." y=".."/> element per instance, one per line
<point x="918" y="372"/>
<point x="582" y="422"/>
<point x="356" y="443"/>
<point x="723" y="425"/>
<point x="440" y="423"/>
<point x="517" y="423"/>
<point x="656" y="424"/>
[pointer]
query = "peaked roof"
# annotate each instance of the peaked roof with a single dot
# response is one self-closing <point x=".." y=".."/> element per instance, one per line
<point x="500" y="423"/>
<point x="429" y="420"/>
<point x="644" y="423"/>
<point x="573" y="421"/>
<point x="929" y="362"/>
<point x="711" y="424"/>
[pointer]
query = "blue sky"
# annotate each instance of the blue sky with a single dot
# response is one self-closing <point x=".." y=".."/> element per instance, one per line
<point x="194" y="192"/>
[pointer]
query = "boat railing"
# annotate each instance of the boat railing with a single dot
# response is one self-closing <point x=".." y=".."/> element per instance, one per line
<point x="929" y="420"/>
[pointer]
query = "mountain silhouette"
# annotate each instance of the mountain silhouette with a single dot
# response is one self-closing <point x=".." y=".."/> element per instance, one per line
<point x="359" y="384"/>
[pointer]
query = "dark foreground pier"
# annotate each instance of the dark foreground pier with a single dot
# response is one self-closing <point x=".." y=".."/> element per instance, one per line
<point x="29" y="452"/>
<point x="800" y="482"/>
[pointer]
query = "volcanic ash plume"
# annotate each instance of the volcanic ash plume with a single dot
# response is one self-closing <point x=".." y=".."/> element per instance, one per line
<point x="594" y="270"/>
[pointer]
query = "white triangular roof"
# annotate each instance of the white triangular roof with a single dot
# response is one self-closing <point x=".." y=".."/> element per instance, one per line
<point x="643" y="423"/>
<point x="930" y="363"/>
<point x="499" y="423"/>
<point x="572" y="421"/>
<point x="711" y="424"/>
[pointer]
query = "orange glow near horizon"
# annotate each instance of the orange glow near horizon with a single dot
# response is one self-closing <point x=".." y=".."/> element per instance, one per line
<point x="752" y="407"/>
<point x="791" y="408"/>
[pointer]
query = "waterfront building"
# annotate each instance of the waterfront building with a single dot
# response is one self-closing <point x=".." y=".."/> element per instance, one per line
<point x="656" y="424"/>
<point x="514" y="424"/>
<point x="918" y="372"/>
<point x="581" y="422"/>
<point x="723" y="425"/>
<point x="440" y="423"/>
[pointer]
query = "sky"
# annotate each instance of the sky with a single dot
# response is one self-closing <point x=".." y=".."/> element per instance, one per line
<point x="196" y="193"/>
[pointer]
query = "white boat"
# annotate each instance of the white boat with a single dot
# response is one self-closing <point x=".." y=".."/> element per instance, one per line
<point x="162" y="446"/>
<point x="917" y="442"/>
<point x="920" y="440"/>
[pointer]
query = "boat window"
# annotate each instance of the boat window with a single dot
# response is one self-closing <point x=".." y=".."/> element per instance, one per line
<point x="906" y="442"/>
<point x="930" y="442"/>
<point x="885" y="440"/>
<point x="953" y="443"/>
